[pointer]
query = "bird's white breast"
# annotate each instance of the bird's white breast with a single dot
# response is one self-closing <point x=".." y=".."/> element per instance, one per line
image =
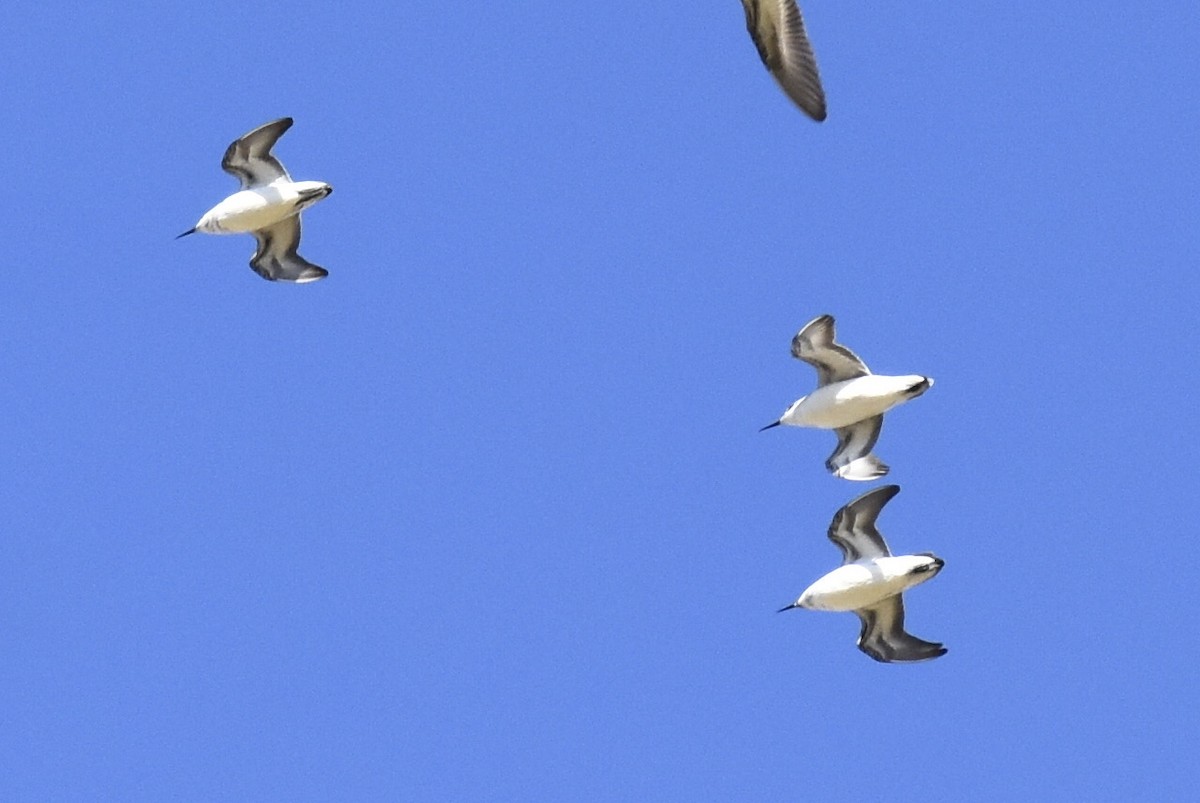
<point x="840" y="404"/>
<point x="861" y="584"/>
<point x="251" y="210"/>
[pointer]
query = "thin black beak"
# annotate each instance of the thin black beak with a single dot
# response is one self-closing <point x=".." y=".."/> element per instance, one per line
<point x="768" y="426"/>
<point x="186" y="233"/>
<point x="788" y="608"/>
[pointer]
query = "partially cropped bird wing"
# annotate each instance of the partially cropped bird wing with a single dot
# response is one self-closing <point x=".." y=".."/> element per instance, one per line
<point x="778" y="32"/>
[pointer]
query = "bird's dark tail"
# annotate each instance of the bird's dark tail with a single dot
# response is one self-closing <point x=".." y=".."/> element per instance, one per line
<point x="920" y="387"/>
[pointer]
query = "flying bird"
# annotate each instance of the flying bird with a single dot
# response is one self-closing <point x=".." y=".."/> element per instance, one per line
<point x="871" y="580"/>
<point x="267" y="205"/>
<point x="849" y="399"/>
<point x="778" y="32"/>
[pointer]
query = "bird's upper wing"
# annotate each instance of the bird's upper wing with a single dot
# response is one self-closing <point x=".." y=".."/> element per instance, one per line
<point x="276" y="258"/>
<point x="816" y="345"/>
<point x="250" y="159"/>
<point x="883" y="636"/>
<point x="853" y="527"/>
<point x="778" y="32"/>
<point x="852" y="458"/>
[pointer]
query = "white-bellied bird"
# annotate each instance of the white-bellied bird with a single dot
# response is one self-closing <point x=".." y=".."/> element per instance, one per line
<point x="870" y="582"/>
<point x="268" y="206"/>
<point x="849" y="399"/>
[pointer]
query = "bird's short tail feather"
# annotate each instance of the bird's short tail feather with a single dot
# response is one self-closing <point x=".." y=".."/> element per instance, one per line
<point x="920" y="387"/>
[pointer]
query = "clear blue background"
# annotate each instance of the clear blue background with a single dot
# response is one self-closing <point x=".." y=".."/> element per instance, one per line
<point x="485" y="514"/>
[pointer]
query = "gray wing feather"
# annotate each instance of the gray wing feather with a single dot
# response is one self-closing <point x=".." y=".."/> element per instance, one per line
<point x="249" y="158"/>
<point x="883" y="636"/>
<point x="816" y="344"/>
<point x="853" y="528"/>
<point x="797" y="69"/>
<point x="777" y="29"/>
<point x="276" y="258"/>
<point x="852" y="459"/>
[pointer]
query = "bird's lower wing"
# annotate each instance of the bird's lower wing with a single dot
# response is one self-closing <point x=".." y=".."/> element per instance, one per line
<point x="852" y="459"/>
<point x="276" y="258"/>
<point x="883" y="636"/>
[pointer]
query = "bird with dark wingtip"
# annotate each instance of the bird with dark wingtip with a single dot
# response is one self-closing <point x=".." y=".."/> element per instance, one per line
<point x="871" y="580"/>
<point x="849" y="399"/>
<point x="268" y="206"/>
<point x="778" y="32"/>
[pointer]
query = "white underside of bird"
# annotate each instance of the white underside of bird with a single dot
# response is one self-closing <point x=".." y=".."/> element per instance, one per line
<point x="864" y="583"/>
<point x="871" y="582"/>
<point x="848" y="399"/>
<point x="841" y="404"/>
<point x="250" y="210"/>
<point x="268" y="205"/>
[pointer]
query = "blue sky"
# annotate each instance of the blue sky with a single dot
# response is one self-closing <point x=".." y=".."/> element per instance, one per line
<point x="485" y="514"/>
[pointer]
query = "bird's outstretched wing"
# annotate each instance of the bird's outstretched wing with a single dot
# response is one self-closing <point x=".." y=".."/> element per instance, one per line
<point x="249" y="158"/>
<point x="883" y="636"/>
<point x="778" y="33"/>
<point x="852" y="459"/>
<point x="276" y="258"/>
<point x="816" y="344"/>
<point x="853" y="528"/>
